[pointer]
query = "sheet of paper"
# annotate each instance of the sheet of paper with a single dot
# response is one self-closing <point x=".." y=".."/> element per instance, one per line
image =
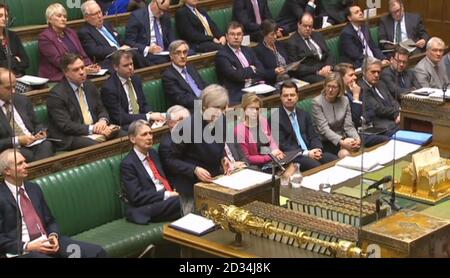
<point x="32" y="80"/>
<point x="99" y="73"/>
<point x="37" y="142"/>
<point x="354" y="162"/>
<point x="332" y="176"/>
<point x="259" y="89"/>
<point x="243" y="179"/>
<point x="193" y="223"/>
<point x="162" y="53"/>
<point x="385" y="153"/>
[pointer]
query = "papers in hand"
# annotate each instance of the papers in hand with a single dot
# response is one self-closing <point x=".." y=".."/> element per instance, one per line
<point x="120" y="49"/>
<point x="158" y="124"/>
<point x="193" y="224"/>
<point x="32" y="80"/>
<point x="243" y="179"/>
<point x="299" y="83"/>
<point x="259" y="89"/>
<point x="162" y="53"/>
<point x="409" y="45"/>
<point x="99" y="73"/>
<point x="37" y="142"/>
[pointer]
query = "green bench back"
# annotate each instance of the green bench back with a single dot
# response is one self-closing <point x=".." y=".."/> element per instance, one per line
<point x="84" y="197"/>
<point x="221" y="17"/>
<point x="209" y="75"/>
<point x="154" y="94"/>
<point x="32" y="50"/>
<point x="275" y="7"/>
<point x="374" y="33"/>
<point x="333" y="46"/>
<point x="306" y="105"/>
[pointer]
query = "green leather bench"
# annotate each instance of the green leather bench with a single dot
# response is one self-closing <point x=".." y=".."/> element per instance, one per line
<point x="275" y="7"/>
<point x="85" y="203"/>
<point x="306" y="105"/>
<point x="333" y="46"/>
<point x="32" y="50"/>
<point x="221" y="17"/>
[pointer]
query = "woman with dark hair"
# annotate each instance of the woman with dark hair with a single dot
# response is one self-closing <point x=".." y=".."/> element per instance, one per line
<point x="271" y="53"/>
<point x="10" y="45"/>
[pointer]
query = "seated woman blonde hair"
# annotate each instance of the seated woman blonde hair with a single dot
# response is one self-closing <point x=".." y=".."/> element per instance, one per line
<point x="255" y="138"/>
<point x="332" y="118"/>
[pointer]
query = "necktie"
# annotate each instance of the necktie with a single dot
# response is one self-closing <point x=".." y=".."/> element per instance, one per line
<point x="312" y="47"/>
<point x="158" y="36"/>
<point x="110" y="37"/>
<point x="229" y="154"/>
<point x="398" y="33"/>
<point x="18" y="131"/>
<point x="242" y="59"/>
<point x="157" y="175"/>
<point x="191" y="83"/>
<point x="204" y="23"/>
<point x="133" y="98"/>
<point x="366" y="49"/>
<point x="87" y="118"/>
<point x="256" y="11"/>
<point x="298" y="134"/>
<point x="30" y="216"/>
<point x="401" y="80"/>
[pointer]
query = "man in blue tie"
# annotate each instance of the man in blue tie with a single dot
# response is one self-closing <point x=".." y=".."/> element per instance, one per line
<point x="99" y="38"/>
<point x="296" y="130"/>
<point x="182" y="83"/>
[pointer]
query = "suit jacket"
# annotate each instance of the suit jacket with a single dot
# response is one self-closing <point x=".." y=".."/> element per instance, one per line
<point x="93" y="42"/>
<point x="352" y="49"/>
<point x="10" y="234"/>
<point x="392" y="79"/>
<point x="291" y="11"/>
<point x="138" y="187"/>
<point x="17" y="50"/>
<point x="191" y="29"/>
<point x="115" y="100"/>
<point x="177" y="88"/>
<point x="52" y="49"/>
<point x="447" y="65"/>
<point x="232" y="74"/>
<point x="137" y="32"/>
<point x="386" y="110"/>
<point x="427" y="76"/>
<point x="297" y="49"/>
<point x="269" y="60"/>
<point x="25" y="109"/>
<point x="187" y="155"/>
<point x="64" y="113"/>
<point x="288" y="139"/>
<point x="333" y="121"/>
<point x="414" y="27"/>
<point x="243" y="13"/>
<point x="357" y="108"/>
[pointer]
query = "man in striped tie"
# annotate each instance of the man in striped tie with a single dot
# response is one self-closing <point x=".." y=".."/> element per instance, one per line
<point x="148" y="195"/>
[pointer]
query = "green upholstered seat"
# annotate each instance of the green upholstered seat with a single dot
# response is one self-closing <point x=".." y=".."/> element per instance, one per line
<point x="121" y="30"/>
<point x="209" y="75"/>
<point x="221" y="17"/>
<point x="374" y="33"/>
<point x="275" y="7"/>
<point x="41" y="114"/>
<point x="32" y="50"/>
<point x="306" y="105"/>
<point x="333" y="46"/>
<point x="154" y="94"/>
<point x="85" y="203"/>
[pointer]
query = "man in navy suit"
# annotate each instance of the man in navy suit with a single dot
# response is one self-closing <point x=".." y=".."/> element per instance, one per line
<point x="99" y="38"/>
<point x="236" y="65"/>
<point x="182" y="83"/>
<point x="305" y="43"/>
<point x="27" y="129"/>
<point x="122" y="93"/>
<point x="37" y="234"/>
<point x="355" y="42"/>
<point x="149" y="195"/>
<point x="196" y="27"/>
<point x="251" y="13"/>
<point x="399" y="26"/>
<point x="297" y="132"/>
<point x="150" y="31"/>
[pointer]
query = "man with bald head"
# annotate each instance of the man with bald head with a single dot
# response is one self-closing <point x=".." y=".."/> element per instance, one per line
<point x="305" y="43"/>
<point x="18" y="124"/>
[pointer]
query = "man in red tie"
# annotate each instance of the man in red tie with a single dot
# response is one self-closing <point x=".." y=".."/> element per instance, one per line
<point x="38" y="234"/>
<point x="149" y="196"/>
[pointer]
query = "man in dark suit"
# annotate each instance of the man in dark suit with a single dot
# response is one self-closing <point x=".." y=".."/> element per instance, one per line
<point x="356" y="98"/>
<point x="182" y="83"/>
<point x="37" y="234"/>
<point x="196" y="27"/>
<point x="310" y="45"/>
<point x="296" y="131"/>
<point x="76" y="113"/>
<point x="27" y="129"/>
<point x="398" y="78"/>
<point x="150" y="31"/>
<point x="378" y="98"/>
<point x="236" y="65"/>
<point x="149" y="195"/>
<point x="399" y="26"/>
<point x="99" y="38"/>
<point x="251" y="13"/>
<point x="123" y="95"/>
<point x="355" y="42"/>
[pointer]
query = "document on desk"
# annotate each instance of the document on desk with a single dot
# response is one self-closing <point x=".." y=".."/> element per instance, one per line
<point x="331" y="176"/>
<point x="243" y="179"/>
<point x="385" y="153"/>
<point x="193" y="224"/>
<point x="367" y="163"/>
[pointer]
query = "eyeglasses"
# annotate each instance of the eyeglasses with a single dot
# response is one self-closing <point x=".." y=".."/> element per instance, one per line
<point x="96" y="13"/>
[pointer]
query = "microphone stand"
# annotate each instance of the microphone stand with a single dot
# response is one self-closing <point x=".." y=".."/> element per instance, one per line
<point x="274" y="163"/>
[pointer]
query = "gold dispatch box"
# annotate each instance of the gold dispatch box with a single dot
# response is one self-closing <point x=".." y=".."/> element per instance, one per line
<point x="408" y="234"/>
<point x="208" y="195"/>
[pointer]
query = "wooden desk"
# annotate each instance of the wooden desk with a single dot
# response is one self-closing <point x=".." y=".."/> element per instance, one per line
<point x="219" y="244"/>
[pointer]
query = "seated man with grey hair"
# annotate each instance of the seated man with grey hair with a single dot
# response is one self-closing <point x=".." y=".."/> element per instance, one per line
<point x="148" y="194"/>
<point x="182" y="83"/>
<point x="377" y="97"/>
<point x="431" y="70"/>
